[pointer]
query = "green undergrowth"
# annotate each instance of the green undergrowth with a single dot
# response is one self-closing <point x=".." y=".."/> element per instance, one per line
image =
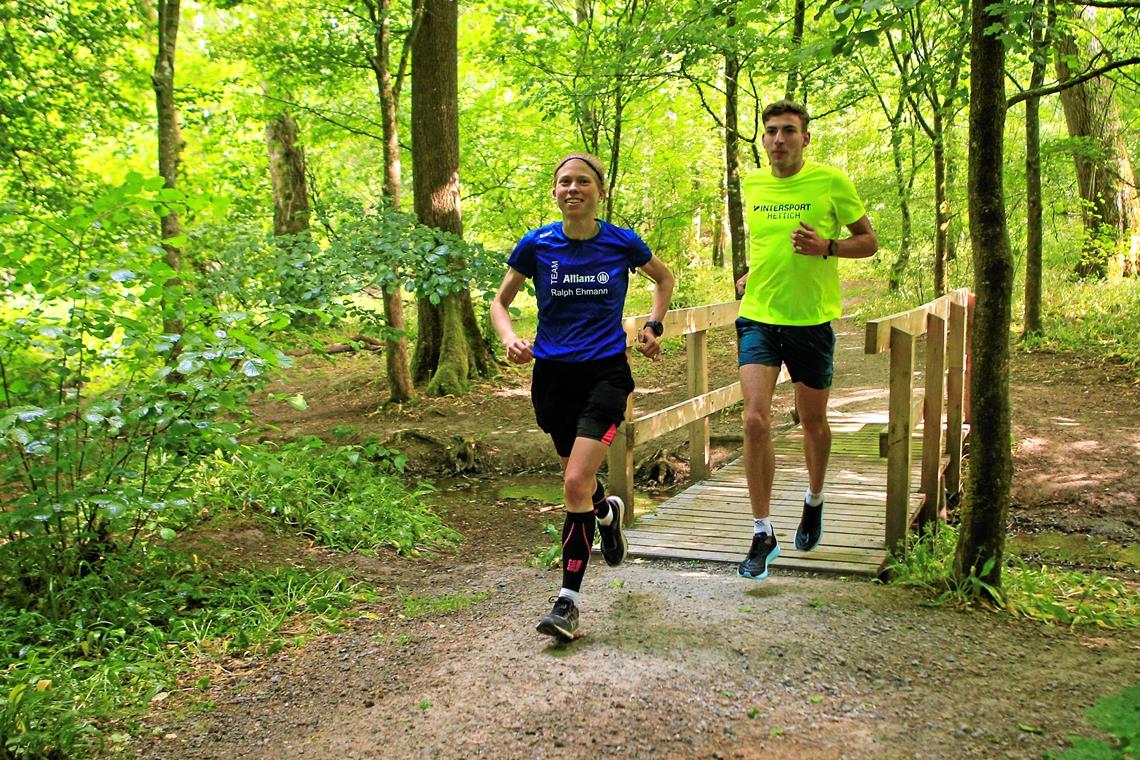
<point x="351" y="498"/>
<point x="83" y="658"/>
<point x="1094" y="317"/>
<point x="548" y="556"/>
<point x="1056" y="597"/>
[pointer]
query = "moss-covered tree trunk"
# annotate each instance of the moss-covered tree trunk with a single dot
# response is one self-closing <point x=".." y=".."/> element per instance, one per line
<point x="287" y="171"/>
<point x="981" y="542"/>
<point x="458" y="349"/>
<point x="1104" y="175"/>
<point x="290" y="198"/>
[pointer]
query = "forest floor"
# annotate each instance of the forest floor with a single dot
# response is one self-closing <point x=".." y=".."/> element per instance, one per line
<point x="678" y="659"/>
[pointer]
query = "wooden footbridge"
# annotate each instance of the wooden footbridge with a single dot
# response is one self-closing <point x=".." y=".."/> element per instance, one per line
<point x="890" y="469"/>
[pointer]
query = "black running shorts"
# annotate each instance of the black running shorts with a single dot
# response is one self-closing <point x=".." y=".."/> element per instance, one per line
<point x="585" y="399"/>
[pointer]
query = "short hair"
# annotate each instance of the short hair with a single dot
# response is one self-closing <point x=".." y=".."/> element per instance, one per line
<point x="591" y="160"/>
<point x="781" y="107"/>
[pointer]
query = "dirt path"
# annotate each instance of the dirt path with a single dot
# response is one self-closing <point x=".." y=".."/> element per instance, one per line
<point x="686" y="660"/>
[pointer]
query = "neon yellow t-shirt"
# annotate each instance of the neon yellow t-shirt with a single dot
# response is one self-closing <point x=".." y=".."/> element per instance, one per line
<point x="784" y="287"/>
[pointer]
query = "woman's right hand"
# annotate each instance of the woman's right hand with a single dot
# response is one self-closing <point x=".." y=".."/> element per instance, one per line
<point x="519" y="351"/>
<point x="741" y="284"/>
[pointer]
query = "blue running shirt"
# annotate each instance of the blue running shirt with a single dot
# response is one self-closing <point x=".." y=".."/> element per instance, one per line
<point x="580" y="286"/>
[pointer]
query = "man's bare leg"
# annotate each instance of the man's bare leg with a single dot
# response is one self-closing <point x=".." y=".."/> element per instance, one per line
<point x="817" y="451"/>
<point x="812" y="404"/>
<point x="758" y="382"/>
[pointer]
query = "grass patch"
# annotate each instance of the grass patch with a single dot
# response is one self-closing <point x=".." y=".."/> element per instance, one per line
<point x="87" y="654"/>
<point x="1119" y="717"/>
<point x="416" y="606"/>
<point x="1068" y="598"/>
<point x="350" y="498"/>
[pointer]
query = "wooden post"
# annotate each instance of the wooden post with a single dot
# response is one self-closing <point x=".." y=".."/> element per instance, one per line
<point x="697" y="353"/>
<point x="900" y="427"/>
<point x="620" y="461"/>
<point x="932" y="419"/>
<point x="955" y="380"/>
<point x="966" y="407"/>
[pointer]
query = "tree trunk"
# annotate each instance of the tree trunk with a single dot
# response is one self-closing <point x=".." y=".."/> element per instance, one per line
<point x="794" y="78"/>
<point x="1033" y="203"/>
<point x="1107" y="183"/>
<point x="902" y="190"/>
<point x="287" y="171"/>
<point x="400" y="387"/>
<point x="1033" y="213"/>
<point x="615" y="151"/>
<point x="461" y="350"/>
<point x="732" y="160"/>
<point x="718" y="236"/>
<point x="953" y="218"/>
<point x="981" y="542"/>
<point x="169" y="154"/>
<point x="290" y="201"/>
<point x="588" y="124"/>
<point x="941" y="205"/>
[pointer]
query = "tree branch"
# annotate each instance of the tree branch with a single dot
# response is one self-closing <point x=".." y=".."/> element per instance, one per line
<point x="1041" y="92"/>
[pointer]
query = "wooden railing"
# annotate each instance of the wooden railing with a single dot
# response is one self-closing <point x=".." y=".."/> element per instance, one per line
<point x="694" y="412"/>
<point x="942" y="404"/>
<point x="944" y="395"/>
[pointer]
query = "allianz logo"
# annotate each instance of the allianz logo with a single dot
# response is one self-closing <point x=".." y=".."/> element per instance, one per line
<point x="600" y="278"/>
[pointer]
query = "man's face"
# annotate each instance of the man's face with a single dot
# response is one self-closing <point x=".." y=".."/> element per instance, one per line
<point x="784" y="142"/>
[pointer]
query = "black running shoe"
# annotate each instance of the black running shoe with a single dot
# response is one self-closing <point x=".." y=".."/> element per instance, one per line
<point x="764" y="549"/>
<point x="612" y="539"/>
<point x="561" y="622"/>
<point x="811" y="527"/>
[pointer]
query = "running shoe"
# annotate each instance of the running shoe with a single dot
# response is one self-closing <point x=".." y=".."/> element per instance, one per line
<point x="612" y="539"/>
<point x="764" y="549"/>
<point x="811" y="527"/>
<point x="561" y="622"/>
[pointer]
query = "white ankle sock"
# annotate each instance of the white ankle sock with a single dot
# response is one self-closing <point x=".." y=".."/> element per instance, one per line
<point x="813" y="499"/>
<point x="571" y="595"/>
<point x="761" y="525"/>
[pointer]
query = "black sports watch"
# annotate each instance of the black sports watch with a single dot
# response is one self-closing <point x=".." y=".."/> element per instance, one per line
<point x="832" y="248"/>
<point x="655" y="326"/>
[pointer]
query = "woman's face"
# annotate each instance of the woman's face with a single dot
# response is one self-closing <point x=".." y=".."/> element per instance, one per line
<point x="577" y="190"/>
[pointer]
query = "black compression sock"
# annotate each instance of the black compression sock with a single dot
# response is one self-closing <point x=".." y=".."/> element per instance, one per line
<point x="577" y="538"/>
